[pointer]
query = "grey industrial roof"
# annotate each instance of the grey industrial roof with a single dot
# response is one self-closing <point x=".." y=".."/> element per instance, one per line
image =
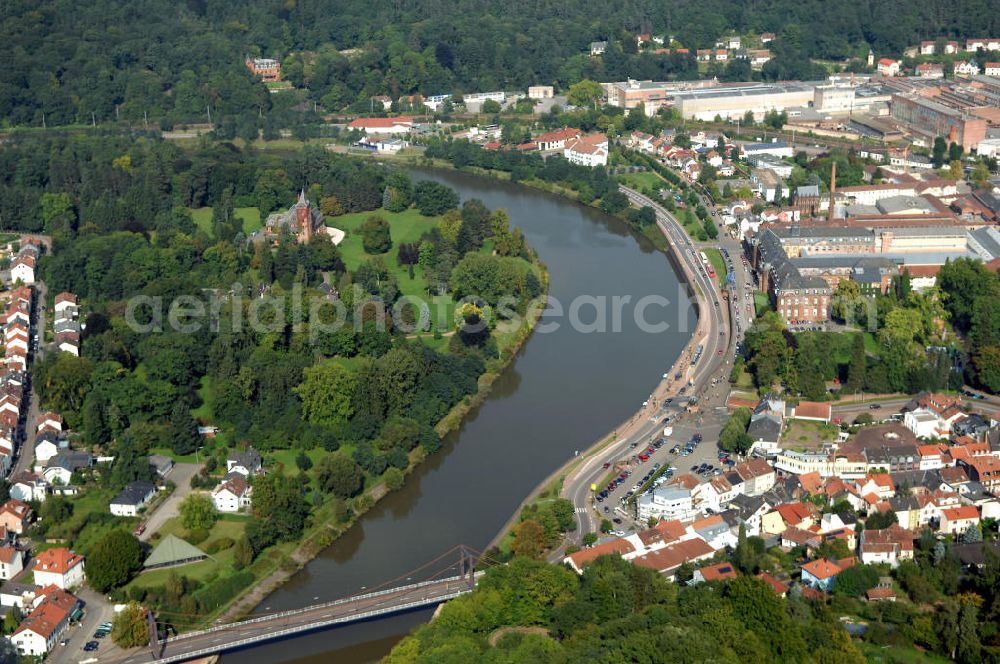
<point x="893" y="204"/>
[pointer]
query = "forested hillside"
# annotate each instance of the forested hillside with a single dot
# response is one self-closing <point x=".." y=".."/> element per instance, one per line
<point x="78" y="62"/>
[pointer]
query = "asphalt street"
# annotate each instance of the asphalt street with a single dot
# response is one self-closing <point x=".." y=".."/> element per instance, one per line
<point x="705" y="380"/>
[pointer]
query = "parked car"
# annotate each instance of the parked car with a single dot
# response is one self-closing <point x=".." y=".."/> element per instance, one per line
<point x="91" y="646"/>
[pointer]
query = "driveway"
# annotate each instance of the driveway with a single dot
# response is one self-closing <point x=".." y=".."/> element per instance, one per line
<point x="95" y="611"/>
<point x="181" y="476"/>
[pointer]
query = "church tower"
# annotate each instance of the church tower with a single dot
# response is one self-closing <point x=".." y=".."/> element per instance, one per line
<point x="303" y="217"/>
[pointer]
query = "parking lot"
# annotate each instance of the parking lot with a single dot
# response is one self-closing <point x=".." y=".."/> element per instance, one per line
<point x="669" y="455"/>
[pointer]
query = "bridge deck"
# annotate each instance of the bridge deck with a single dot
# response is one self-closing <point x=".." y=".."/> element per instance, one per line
<point x="265" y="628"/>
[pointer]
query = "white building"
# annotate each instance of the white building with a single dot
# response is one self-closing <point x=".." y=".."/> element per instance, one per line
<point x="11" y="562"/>
<point x="541" y="92"/>
<point x="132" y="498"/>
<point x="232" y="495"/>
<point x="23" y="270"/>
<point x="59" y="567"/>
<point x="666" y="502"/>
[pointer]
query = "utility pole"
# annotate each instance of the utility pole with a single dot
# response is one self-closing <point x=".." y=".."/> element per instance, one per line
<point x="93" y="119"/>
<point x="145" y="120"/>
<point x="208" y="109"/>
<point x="116" y="112"/>
<point x="43" y="120"/>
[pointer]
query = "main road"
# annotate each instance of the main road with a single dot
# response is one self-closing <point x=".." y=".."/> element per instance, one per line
<point x="713" y="334"/>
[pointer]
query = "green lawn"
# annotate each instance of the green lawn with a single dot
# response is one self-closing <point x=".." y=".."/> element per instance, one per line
<point x="214" y="565"/>
<point x="897" y="655"/>
<point x="761" y="303"/>
<point x="404" y="227"/>
<point x="642" y="181"/>
<point x="718" y="262"/>
<point x="250" y="216"/>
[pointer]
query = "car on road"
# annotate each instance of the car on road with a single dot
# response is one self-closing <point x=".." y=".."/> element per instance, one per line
<point x="91" y="646"/>
<point x="607" y="464"/>
<point x="875" y="406"/>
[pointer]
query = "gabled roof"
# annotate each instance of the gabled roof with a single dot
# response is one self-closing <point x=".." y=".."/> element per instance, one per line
<point x="619" y="546"/>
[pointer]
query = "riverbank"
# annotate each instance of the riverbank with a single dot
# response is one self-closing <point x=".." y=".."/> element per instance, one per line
<point x="667" y="386"/>
<point x="321" y="535"/>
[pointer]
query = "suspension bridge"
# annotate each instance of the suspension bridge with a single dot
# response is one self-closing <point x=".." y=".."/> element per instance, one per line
<point x="451" y="574"/>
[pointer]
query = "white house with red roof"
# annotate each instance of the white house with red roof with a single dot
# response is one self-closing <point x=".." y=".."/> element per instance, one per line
<point x="11" y="562"/>
<point x="590" y="150"/>
<point x="59" y="567"/>
<point x="66" y="305"/>
<point x="40" y="631"/>
<point x="23" y="269"/>
<point x="991" y="68"/>
<point x="956" y="520"/>
<point x="232" y="495"/>
<point x="890" y="545"/>
<point x="888" y="67"/>
<point x="400" y="125"/>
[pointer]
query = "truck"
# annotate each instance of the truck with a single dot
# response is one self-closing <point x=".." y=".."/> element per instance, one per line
<point x="667" y="431"/>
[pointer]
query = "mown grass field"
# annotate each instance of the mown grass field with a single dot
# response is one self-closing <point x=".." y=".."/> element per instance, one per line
<point x="250" y="216"/>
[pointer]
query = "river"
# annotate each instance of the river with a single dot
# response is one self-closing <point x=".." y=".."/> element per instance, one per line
<point x="564" y="390"/>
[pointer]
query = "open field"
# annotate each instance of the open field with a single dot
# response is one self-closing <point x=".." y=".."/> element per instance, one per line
<point x="250" y="216"/>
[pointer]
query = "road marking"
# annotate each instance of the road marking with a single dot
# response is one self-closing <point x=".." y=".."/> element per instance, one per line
<point x="581" y="510"/>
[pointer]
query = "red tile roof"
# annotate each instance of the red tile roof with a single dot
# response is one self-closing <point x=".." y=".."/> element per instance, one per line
<point x="813" y="409"/>
<point x="616" y="546"/>
<point x="718" y="572"/>
<point x="57" y="561"/>
<point x="776" y="585"/>
<point x="821" y="569"/>
<point x="960" y="513"/>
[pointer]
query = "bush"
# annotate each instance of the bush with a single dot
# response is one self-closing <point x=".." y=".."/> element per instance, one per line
<point x="197" y="536"/>
<point x="220" y="544"/>
<point x="216" y="594"/>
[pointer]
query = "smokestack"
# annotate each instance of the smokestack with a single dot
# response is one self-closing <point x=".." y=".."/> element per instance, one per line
<point x="833" y="191"/>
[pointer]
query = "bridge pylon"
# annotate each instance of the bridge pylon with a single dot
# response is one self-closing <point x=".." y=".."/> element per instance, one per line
<point x="467" y="559"/>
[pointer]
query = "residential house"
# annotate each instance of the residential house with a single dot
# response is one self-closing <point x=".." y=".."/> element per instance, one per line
<point x="68" y="342"/>
<point x="60" y="468"/>
<point x="757" y="475"/>
<point x="714" y="495"/>
<point x="11" y="562"/>
<point x="15" y="515"/>
<point x="20" y="595"/>
<point x="716" y="531"/>
<point x="974" y="426"/>
<point x="245" y="463"/>
<point x="23" y="269"/>
<point x="66" y="305"/>
<point x="161" y="464"/>
<point x="39" y="632"/>
<point x="48" y="445"/>
<point x="27" y="486"/>
<point x="765" y="431"/>
<point x="620" y="546"/>
<point x="797" y="537"/>
<point x="598" y="47"/>
<point x="717" y="572"/>
<point x="812" y="410"/>
<point x="780" y="589"/>
<point x="965" y="67"/>
<point x="985" y="470"/>
<point x="133" y="497"/>
<point x="820" y="573"/>
<point x="668" y="559"/>
<point x="888" y="67"/>
<point x="60" y="567"/>
<point x="232" y="495"/>
<point x="930" y="457"/>
<point x="786" y="516"/>
<point x="750" y="509"/>
<point x="890" y="545"/>
<point x="956" y="520"/>
<point x="991" y="69"/>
